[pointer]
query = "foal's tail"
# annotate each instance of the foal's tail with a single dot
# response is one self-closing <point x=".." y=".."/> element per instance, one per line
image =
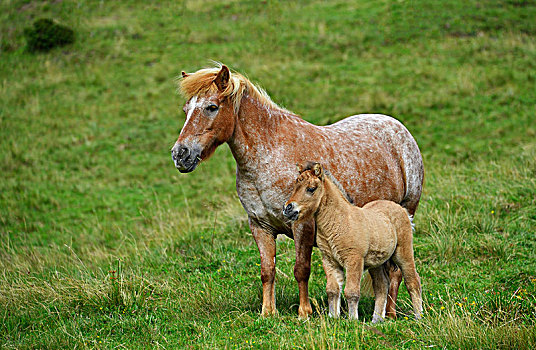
<point x="366" y="283"/>
<point x="366" y="286"/>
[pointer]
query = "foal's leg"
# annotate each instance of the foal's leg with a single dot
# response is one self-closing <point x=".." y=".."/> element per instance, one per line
<point x="266" y="244"/>
<point x="395" y="274"/>
<point x="352" y="291"/>
<point x="403" y="257"/>
<point x="304" y="237"/>
<point x="413" y="284"/>
<point x="395" y="278"/>
<point x="380" y="283"/>
<point x="334" y="277"/>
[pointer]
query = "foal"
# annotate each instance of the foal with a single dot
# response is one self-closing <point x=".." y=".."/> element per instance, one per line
<point x="355" y="239"/>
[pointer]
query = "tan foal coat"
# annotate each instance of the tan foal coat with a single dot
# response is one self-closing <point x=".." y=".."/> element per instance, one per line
<point x="355" y="239"/>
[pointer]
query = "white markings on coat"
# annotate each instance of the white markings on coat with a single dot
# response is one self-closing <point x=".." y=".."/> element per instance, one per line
<point x="192" y="104"/>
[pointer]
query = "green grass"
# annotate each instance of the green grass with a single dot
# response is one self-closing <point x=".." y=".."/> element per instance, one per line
<point x="103" y="244"/>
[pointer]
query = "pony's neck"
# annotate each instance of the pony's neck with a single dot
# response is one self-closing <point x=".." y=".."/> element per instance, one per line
<point x="256" y="124"/>
<point x="333" y="208"/>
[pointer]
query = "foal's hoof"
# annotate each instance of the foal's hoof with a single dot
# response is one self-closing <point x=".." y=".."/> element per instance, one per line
<point x="378" y="319"/>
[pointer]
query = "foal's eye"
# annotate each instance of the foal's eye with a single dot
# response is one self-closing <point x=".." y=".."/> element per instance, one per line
<point x="212" y="108"/>
<point x="310" y="189"/>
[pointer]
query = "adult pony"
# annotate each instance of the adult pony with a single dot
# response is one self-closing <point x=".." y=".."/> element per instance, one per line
<point x="373" y="156"/>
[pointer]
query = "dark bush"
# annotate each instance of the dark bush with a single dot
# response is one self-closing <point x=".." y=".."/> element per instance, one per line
<point x="45" y="35"/>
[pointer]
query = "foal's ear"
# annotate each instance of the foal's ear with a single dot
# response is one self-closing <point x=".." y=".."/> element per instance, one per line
<point x="184" y="74"/>
<point x="299" y="168"/>
<point x="317" y="168"/>
<point x="222" y="79"/>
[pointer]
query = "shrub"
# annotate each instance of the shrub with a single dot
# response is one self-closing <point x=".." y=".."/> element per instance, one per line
<point x="46" y="34"/>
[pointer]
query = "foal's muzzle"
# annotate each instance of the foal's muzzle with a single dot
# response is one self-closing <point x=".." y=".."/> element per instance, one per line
<point x="186" y="159"/>
<point x="290" y="212"/>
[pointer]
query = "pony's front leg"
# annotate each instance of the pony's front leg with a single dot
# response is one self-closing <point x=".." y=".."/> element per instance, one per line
<point x="266" y="244"/>
<point x="304" y="237"/>
<point x="395" y="278"/>
<point x="352" y="291"/>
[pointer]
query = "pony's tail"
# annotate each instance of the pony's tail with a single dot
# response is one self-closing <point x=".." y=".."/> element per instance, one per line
<point x="411" y="221"/>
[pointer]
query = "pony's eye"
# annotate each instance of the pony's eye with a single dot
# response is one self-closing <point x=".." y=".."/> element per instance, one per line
<point x="212" y="108"/>
<point x="310" y="189"/>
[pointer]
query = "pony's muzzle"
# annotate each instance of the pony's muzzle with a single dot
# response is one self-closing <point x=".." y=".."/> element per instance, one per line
<point x="186" y="159"/>
<point x="290" y="211"/>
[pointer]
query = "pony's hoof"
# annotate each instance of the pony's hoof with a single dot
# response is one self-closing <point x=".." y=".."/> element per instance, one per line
<point x="268" y="312"/>
<point x="305" y="311"/>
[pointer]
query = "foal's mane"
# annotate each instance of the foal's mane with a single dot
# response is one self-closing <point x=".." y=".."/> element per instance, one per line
<point x="310" y="165"/>
<point x="202" y="82"/>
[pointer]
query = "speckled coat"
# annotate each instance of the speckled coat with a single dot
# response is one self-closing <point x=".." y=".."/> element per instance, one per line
<point x="374" y="157"/>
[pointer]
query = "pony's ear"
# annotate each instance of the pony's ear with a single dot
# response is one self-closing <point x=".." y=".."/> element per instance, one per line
<point x="299" y="168"/>
<point x="317" y="168"/>
<point x="222" y="79"/>
<point x="184" y="74"/>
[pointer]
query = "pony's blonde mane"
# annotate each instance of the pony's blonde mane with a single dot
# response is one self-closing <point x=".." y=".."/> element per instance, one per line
<point x="202" y="82"/>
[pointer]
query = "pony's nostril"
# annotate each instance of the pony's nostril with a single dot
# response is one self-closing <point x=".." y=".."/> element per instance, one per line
<point x="183" y="154"/>
<point x="288" y="209"/>
<point x="186" y="159"/>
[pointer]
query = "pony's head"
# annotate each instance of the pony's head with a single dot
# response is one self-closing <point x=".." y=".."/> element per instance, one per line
<point x="214" y="96"/>
<point x="307" y="192"/>
<point x="210" y="116"/>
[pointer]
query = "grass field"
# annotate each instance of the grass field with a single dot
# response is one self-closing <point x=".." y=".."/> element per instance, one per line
<point x="103" y="244"/>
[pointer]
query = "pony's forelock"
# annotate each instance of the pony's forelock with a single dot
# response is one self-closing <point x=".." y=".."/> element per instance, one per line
<point x="309" y="167"/>
<point x="202" y="82"/>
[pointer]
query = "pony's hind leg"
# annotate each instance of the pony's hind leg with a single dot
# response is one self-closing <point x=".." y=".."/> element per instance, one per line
<point x="380" y="283"/>
<point x="395" y="278"/>
<point x="334" y="277"/>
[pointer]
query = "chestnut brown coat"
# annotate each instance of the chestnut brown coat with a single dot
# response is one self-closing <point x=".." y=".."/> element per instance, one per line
<point x="373" y="156"/>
